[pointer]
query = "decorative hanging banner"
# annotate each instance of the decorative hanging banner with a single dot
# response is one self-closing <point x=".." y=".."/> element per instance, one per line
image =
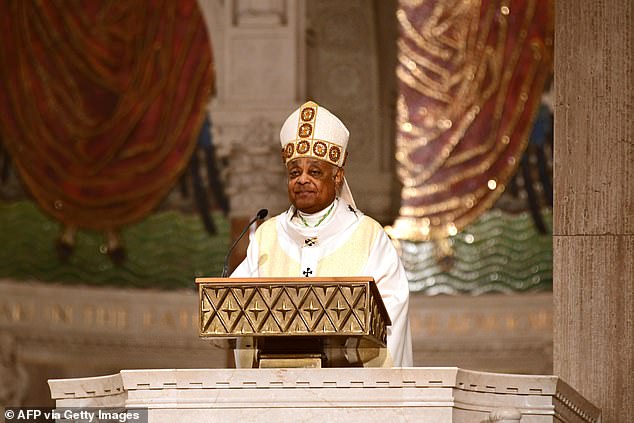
<point x="470" y="75"/>
<point x="101" y="102"/>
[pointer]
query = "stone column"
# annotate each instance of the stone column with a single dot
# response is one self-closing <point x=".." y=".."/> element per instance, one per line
<point x="594" y="203"/>
<point x="260" y="79"/>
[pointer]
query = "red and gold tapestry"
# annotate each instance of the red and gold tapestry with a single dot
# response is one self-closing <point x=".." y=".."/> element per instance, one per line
<point x="101" y="102"/>
<point x="471" y="75"/>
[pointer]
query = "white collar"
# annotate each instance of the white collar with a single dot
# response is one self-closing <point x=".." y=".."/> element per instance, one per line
<point x="342" y="217"/>
<point x="316" y="219"/>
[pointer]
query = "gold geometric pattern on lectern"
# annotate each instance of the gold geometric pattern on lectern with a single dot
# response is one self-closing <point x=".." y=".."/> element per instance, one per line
<point x="208" y="313"/>
<point x="229" y="311"/>
<point x="284" y="310"/>
<point x="270" y="325"/>
<point x="256" y="310"/>
<point x="310" y="309"/>
<point x="293" y="308"/>
<point x="357" y="306"/>
<point x="338" y="309"/>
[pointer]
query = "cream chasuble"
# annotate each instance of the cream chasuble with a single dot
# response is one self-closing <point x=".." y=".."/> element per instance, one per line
<point x="345" y="243"/>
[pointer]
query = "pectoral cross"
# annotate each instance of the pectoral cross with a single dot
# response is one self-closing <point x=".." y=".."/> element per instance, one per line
<point x="307" y="272"/>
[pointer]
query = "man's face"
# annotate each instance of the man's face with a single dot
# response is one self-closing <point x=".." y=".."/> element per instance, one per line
<point x="312" y="183"/>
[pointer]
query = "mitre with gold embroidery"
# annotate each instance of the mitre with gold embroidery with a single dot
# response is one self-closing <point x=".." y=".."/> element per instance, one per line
<point x="313" y="131"/>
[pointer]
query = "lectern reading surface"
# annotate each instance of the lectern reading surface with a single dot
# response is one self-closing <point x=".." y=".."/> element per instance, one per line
<point x="298" y="322"/>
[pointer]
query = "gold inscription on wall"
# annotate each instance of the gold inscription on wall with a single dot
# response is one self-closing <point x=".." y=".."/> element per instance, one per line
<point x="493" y="323"/>
<point x="16" y="312"/>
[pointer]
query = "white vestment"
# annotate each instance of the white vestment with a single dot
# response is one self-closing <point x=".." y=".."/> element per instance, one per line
<point x="345" y="243"/>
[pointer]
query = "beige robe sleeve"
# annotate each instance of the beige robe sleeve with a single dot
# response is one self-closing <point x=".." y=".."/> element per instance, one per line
<point x="385" y="266"/>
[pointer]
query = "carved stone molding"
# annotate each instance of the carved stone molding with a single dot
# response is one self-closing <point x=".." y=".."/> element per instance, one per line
<point x="257" y="13"/>
<point x="13" y="375"/>
<point x="12" y="372"/>
<point x="255" y="176"/>
<point x="350" y="394"/>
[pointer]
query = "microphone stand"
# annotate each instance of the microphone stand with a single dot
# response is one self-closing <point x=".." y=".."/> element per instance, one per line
<point x="261" y="215"/>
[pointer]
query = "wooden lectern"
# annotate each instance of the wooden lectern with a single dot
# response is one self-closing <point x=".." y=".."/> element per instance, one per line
<point x="297" y="322"/>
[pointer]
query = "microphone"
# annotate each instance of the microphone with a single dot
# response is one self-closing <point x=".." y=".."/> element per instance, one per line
<point x="261" y="215"/>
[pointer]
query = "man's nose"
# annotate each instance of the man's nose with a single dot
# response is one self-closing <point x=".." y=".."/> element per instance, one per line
<point x="303" y="178"/>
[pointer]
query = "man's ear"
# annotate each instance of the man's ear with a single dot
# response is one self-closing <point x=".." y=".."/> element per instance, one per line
<point x="339" y="174"/>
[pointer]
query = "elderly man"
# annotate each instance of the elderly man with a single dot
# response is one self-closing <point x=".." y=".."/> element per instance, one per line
<point x="323" y="233"/>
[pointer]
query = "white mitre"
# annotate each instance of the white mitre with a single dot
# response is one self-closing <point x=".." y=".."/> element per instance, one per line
<point x="312" y="131"/>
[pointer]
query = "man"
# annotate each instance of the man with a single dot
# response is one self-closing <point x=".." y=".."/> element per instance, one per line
<point x="323" y="233"/>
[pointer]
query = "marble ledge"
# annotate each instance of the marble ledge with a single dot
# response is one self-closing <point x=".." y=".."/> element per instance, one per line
<point x="466" y="395"/>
